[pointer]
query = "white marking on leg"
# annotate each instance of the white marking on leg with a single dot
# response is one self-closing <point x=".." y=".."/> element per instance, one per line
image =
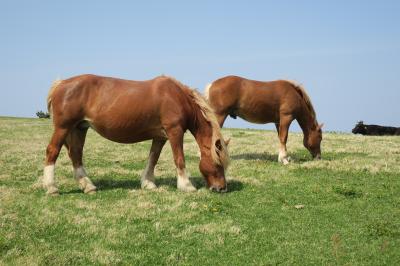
<point x="184" y="183"/>
<point x="79" y="172"/>
<point x="84" y="182"/>
<point x="283" y="157"/>
<point x="48" y="179"/>
<point x="147" y="178"/>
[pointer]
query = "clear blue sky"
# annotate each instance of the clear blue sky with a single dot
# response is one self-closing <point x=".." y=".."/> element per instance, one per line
<point x="346" y="53"/>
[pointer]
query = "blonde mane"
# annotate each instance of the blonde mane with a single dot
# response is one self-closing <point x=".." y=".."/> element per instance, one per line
<point x="302" y="91"/>
<point x="220" y="157"/>
<point x="207" y="91"/>
<point x="52" y="89"/>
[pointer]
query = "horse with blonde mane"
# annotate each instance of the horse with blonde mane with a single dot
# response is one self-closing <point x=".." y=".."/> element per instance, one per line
<point x="127" y="111"/>
<point x="278" y="102"/>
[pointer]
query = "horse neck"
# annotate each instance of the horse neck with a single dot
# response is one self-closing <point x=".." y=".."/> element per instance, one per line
<point x="202" y="131"/>
<point x="307" y="122"/>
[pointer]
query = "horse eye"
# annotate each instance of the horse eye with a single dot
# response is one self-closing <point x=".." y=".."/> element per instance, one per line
<point x="218" y="145"/>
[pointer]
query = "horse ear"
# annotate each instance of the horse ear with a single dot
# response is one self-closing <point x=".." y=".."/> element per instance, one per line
<point x="227" y="141"/>
<point x="320" y="126"/>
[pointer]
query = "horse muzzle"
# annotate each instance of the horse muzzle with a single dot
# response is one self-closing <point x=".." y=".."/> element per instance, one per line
<point x="219" y="189"/>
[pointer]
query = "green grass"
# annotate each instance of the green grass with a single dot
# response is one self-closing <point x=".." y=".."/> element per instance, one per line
<point x="350" y="213"/>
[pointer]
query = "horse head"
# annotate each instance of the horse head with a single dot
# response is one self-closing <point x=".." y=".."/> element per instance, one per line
<point x="312" y="141"/>
<point x="212" y="166"/>
<point x="360" y="128"/>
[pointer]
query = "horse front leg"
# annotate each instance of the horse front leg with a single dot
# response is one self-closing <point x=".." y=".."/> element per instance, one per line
<point x="175" y="136"/>
<point x="283" y="135"/>
<point x="147" y="179"/>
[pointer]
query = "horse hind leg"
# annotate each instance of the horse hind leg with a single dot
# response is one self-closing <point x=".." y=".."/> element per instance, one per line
<point x="52" y="152"/>
<point x="74" y="143"/>
<point x="147" y="179"/>
<point x="277" y="127"/>
<point x="221" y="118"/>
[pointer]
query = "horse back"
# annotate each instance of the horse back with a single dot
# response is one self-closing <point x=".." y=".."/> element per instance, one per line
<point x="116" y="108"/>
<point x="254" y="101"/>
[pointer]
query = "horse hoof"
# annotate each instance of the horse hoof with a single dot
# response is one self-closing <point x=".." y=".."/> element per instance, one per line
<point x="90" y="189"/>
<point x="52" y="191"/>
<point x="148" y="185"/>
<point x="190" y="190"/>
<point x="187" y="188"/>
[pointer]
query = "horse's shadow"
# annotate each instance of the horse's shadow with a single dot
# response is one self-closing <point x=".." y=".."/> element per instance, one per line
<point x="255" y="156"/>
<point x="105" y="184"/>
<point x="199" y="182"/>
<point x="299" y="156"/>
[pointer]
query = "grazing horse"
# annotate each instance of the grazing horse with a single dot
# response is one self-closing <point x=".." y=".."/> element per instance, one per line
<point x="127" y="111"/>
<point x="375" y="130"/>
<point x="279" y="102"/>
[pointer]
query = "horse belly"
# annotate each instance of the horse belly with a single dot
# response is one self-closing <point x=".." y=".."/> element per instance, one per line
<point x="128" y="133"/>
<point x="258" y="115"/>
<point x="258" y="106"/>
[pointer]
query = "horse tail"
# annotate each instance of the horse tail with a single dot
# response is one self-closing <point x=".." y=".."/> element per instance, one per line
<point x="302" y="91"/>
<point x="49" y="96"/>
<point x="207" y="91"/>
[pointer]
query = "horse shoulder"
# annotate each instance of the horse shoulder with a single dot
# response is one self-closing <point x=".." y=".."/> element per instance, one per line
<point x="174" y="105"/>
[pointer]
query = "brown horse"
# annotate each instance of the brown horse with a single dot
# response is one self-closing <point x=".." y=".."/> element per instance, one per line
<point x="279" y="102"/>
<point x="128" y="111"/>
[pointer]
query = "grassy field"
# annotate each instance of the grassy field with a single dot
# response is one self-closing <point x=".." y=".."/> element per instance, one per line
<point x="342" y="210"/>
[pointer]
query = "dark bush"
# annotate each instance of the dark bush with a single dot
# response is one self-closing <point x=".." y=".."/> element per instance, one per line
<point x="42" y="114"/>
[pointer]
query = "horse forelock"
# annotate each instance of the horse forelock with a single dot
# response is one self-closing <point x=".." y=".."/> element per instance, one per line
<point x="307" y="100"/>
<point x="220" y="157"/>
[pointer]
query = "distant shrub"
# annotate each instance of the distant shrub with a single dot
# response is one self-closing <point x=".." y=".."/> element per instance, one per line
<point x="42" y="114"/>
